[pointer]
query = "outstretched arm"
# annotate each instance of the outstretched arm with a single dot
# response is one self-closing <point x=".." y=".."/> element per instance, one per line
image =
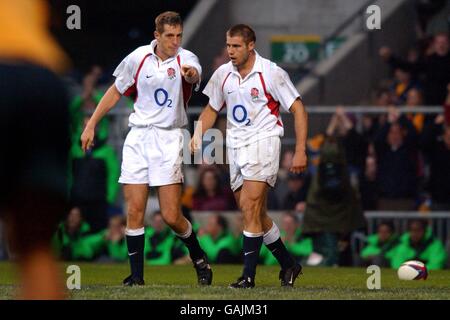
<point x="299" y="162"/>
<point x="111" y="97"/>
<point x="206" y="120"/>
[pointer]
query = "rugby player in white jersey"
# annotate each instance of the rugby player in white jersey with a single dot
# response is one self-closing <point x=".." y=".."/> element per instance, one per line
<point x="160" y="77"/>
<point x="253" y="89"/>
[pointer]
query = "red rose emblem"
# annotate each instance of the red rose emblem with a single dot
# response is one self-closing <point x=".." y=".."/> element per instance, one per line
<point x="254" y="93"/>
<point x="171" y="73"/>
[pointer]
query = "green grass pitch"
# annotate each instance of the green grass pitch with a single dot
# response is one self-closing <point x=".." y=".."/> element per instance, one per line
<point x="102" y="281"/>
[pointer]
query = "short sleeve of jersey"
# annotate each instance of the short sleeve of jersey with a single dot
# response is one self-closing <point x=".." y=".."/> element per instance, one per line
<point x="213" y="90"/>
<point x="125" y="73"/>
<point x="282" y="88"/>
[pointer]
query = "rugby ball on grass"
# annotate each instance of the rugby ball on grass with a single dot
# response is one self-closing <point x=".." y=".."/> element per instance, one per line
<point x="412" y="270"/>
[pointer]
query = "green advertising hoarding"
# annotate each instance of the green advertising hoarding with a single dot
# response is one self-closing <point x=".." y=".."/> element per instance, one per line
<point x="300" y="49"/>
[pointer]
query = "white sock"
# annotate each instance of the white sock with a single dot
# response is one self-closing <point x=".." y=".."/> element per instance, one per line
<point x="186" y="234"/>
<point x="252" y="235"/>
<point x="134" y="232"/>
<point x="272" y="235"/>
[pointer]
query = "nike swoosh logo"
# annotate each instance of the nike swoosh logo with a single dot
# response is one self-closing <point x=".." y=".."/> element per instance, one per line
<point x="247" y="253"/>
<point x="132" y="254"/>
<point x="230" y="92"/>
<point x="149" y="76"/>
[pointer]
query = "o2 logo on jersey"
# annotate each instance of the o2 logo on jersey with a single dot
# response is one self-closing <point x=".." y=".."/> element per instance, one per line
<point x="240" y="114"/>
<point x="171" y="73"/>
<point x="162" y="98"/>
<point x="254" y="93"/>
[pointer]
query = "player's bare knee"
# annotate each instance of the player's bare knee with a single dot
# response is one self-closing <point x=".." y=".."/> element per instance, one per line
<point x="172" y="217"/>
<point x="135" y="216"/>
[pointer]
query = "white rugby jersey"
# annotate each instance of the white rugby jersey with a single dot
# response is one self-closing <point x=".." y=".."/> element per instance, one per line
<point x="253" y="103"/>
<point x="160" y="93"/>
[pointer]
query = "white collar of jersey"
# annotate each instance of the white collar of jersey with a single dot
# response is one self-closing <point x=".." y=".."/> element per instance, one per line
<point x="257" y="66"/>
<point x="152" y="51"/>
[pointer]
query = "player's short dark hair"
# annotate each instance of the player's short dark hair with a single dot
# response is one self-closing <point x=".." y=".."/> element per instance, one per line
<point x="244" y="31"/>
<point x="171" y="18"/>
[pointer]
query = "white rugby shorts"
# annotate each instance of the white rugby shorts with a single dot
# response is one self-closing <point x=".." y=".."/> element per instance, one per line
<point x="152" y="156"/>
<point x="258" y="161"/>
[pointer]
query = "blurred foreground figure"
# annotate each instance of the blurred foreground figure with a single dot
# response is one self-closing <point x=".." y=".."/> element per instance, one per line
<point x="333" y="208"/>
<point x="34" y="127"/>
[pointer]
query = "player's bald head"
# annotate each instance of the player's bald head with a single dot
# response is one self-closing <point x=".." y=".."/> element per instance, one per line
<point x="244" y="31"/>
<point x="170" y="18"/>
